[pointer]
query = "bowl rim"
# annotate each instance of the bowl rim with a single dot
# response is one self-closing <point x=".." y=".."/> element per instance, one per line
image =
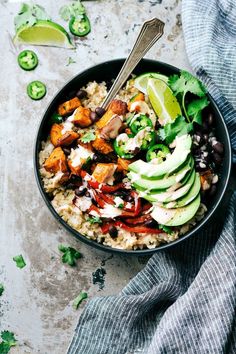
<point x="139" y="252"/>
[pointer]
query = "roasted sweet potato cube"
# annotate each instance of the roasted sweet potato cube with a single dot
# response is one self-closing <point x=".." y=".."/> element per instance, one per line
<point x="118" y="107"/>
<point x="75" y="170"/>
<point x="104" y="171"/>
<point x="68" y="106"/>
<point x="105" y="119"/>
<point x="59" y="139"/>
<point x="123" y="164"/>
<point x="139" y="97"/>
<point x="82" y="117"/>
<point x="56" y="161"/>
<point x="102" y="145"/>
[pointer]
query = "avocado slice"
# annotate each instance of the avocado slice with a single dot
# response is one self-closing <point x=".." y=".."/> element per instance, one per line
<point x="169" y="196"/>
<point x="167" y="181"/>
<point x="151" y="171"/>
<point x="177" y="216"/>
<point x="189" y="197"/>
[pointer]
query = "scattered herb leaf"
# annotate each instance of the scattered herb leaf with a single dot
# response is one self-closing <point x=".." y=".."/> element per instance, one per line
<point x="29" y="14"/>
<point x="94" y="220"/>
<point x="166" y="229"/>
<point x="1" y="289"/>
<point x="77" y="301"/>
<point x="70" y="61"/>
<point x="121" y="206"/>
<point x="8" y="341"/>
<point x="87" y="137"/>
<point x="184" y="83"/>
<point x="75" y="9"/>
<point x="20" y="262"/>
<point x="194" y="109"/>
<point x="177" y="128"/>
<point x="70" y="255"/>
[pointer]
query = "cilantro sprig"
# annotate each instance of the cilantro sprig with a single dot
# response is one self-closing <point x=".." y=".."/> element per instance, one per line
<point x="29" y="14"/>
<point x="179" y="127"/>
<point x="70" y="255"/>
<point x="94" y="220"/>
<point x="77" y="301"/>
<point x="187" y="83"/>
<point x="87" y="137"/>
<point x="8" y="341"/>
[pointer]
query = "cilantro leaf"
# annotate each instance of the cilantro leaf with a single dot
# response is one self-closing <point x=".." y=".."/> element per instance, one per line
<point x="70" y="61"/>
<point x="87" y="137"/>
<point x="4" y="348"/>
<point x="177" y="128"/>
<point x="70" y="255"/>
<point x="9" y="338"/>
<point x="29" y="14"/>
<point x="20" y="262"/>
<point x="194" y="109"/>
<point x="184" y="83"/>
<point x="77" y="301"/>
<point x="94" y="220"/>
<point x="1" y="289"/>
<point x="75" y="9"/>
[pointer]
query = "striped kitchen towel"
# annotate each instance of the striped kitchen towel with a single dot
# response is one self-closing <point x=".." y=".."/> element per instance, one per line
<point x="184" y="300"/>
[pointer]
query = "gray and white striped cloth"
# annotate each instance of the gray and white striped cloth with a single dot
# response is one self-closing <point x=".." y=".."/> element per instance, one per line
<point x="184" y="300"/>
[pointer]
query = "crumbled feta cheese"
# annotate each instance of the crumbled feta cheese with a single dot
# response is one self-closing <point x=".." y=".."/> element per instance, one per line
<point x="118" y="202"/>
<point x="79" y="155"/>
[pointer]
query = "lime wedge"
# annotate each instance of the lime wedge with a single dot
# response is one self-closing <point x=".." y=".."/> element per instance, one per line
<point x="141" y="81"/>
<point x="163" y="101"/>
<point x="44" y="33"/>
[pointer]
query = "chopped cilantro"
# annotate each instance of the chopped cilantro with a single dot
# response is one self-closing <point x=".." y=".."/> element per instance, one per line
<point x="70" y="255"/>
<point x="87" y="137"/>
<point x="29" y="14"/>
<point x="1" y="289"/>
<point x="8" y="341"/>
<point x="177" y="128"/>
<point x="194" y="109"/>
<point x="77" y="301"/>
<point x="184" y="83"/>
<point x="20" y="262"/>
<point x="94" y="220"/>
<point x="70" y="61"/>
<point x="166" y="229"/>
<point x="121" y="206"/>
<point x="75" y="9"/>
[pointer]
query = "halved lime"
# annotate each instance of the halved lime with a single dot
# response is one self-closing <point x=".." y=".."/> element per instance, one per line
<point x="44" y="32"/>
<point x="163" y="101"/>
<point x="141" y="81"/>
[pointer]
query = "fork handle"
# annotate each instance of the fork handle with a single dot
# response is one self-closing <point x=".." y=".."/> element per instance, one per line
<point x="150" y="32"/>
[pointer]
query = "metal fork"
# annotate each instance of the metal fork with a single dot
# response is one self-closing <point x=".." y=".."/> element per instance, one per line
<point x="151" y="31"/>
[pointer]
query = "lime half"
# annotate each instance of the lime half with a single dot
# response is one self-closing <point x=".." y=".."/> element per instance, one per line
<point x="163" y="101"/>
<point x="141" y="81"/>
<point x="44" y="33"/>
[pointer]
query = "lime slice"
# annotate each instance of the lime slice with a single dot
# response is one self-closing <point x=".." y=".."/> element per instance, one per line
<point x="44" y="33"/>
<point x="163" y="101"/>
<point x="141" y="81"/>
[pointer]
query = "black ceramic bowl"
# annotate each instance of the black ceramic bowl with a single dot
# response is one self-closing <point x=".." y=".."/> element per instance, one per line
<point x="106" y="72"/>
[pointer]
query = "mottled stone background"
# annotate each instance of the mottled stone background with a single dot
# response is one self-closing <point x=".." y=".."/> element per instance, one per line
<point x="37" y="302"/>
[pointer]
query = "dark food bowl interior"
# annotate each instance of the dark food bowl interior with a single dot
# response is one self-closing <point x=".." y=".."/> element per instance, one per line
<point x="107" y="71"/>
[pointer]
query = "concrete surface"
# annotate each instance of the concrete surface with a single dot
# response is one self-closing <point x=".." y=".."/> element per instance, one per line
<point x="37" y="302"/>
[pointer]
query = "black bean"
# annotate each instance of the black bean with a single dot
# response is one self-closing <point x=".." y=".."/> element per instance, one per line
<point x="80" y="192"/>
<point x="206" y="137"/>
<point x="66" y="151"/>
<point x="87" y="194"/>
<point x="113" y="232"/>
<point x="218" y="147"/>
<point x="129" y="198"/>
<point x="212" y="190"/>
<point x="217" y="158"/>
<point x="205" y="126"/>
<point x="210" y="119"/>
<point x="81" y="94"/>
<point x="100" y="111"/>
<point x="151" y="223"/>
<point x="94" y="117"/>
